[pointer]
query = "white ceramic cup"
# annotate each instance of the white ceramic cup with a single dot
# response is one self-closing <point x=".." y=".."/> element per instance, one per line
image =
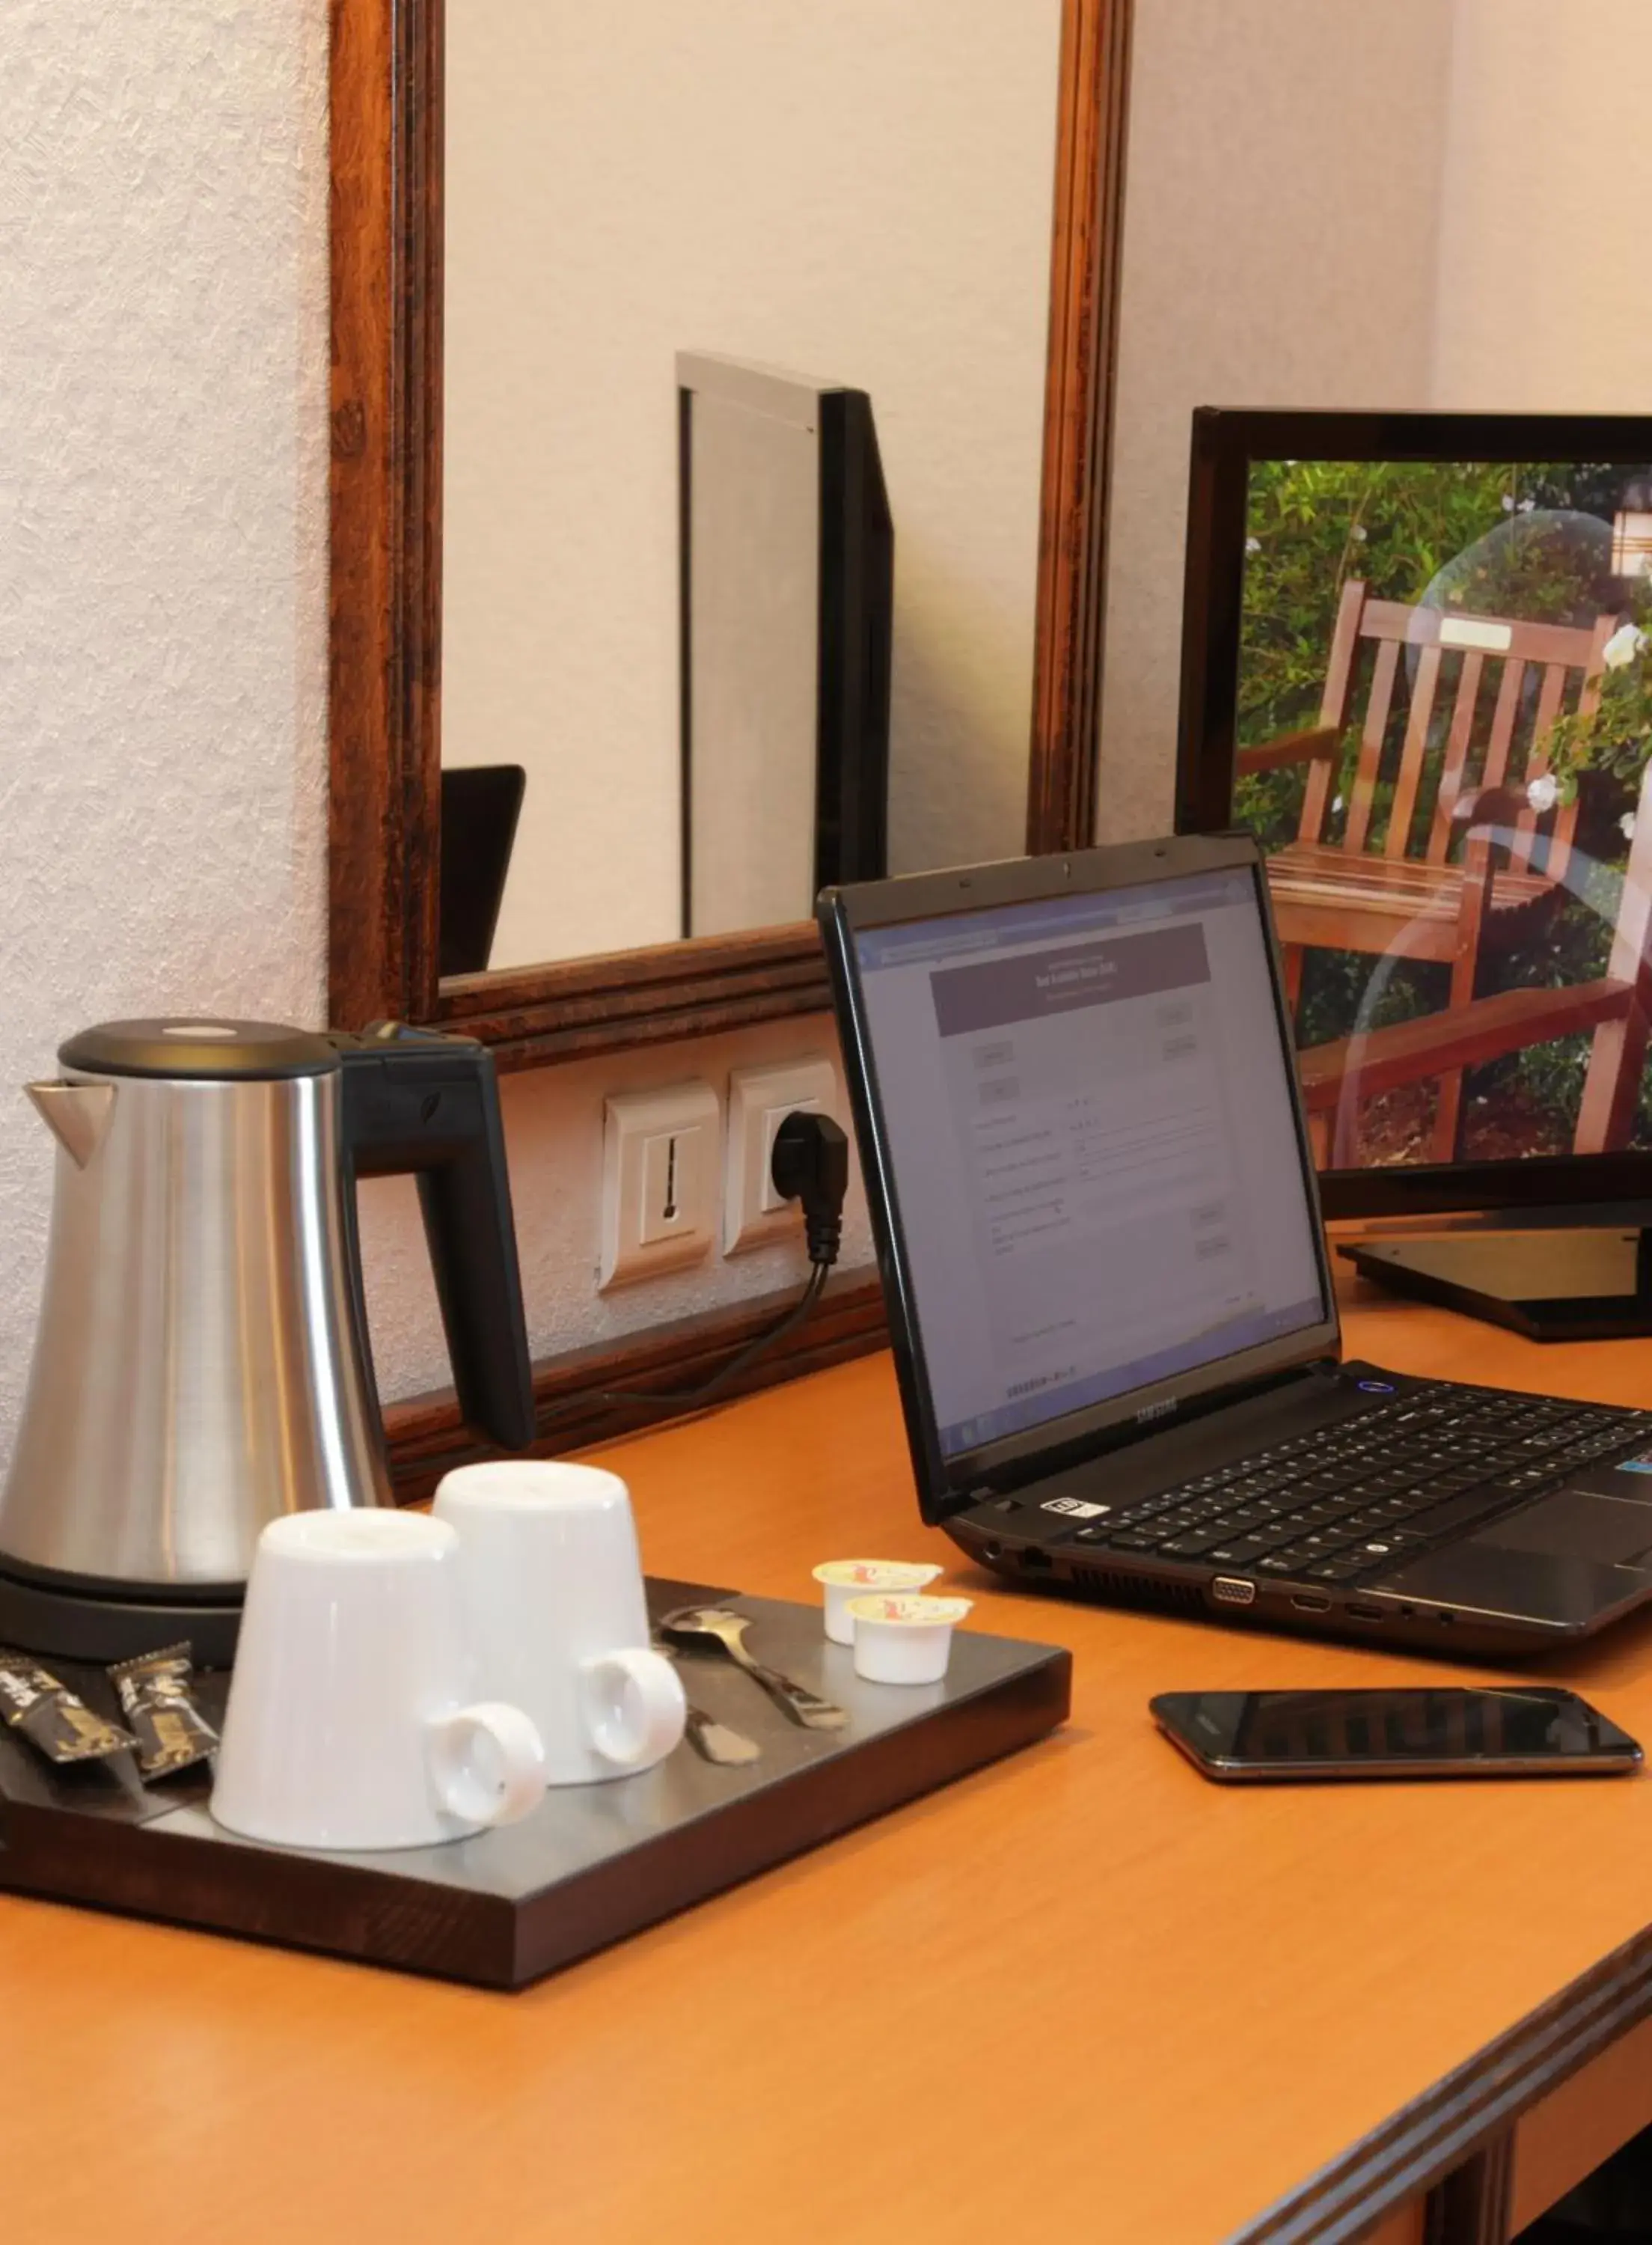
<point x="345" y="1727"/>
<point x="555" y="1613"/>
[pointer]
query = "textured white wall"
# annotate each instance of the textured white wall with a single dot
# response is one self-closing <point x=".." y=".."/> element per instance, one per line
<point x="858" y="190"/>
<point x="163" y="626"/>
<point x="1281" y="216"/>
<point x="163" y="378"/>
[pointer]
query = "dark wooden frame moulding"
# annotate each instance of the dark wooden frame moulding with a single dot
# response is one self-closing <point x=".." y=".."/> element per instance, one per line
<point x="386" y="622"/>
<point x="387" y="60"/>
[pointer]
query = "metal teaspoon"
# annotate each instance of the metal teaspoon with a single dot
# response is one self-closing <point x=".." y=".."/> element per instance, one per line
<point x="712" y="1740"/>
<point x="716" y="1741"/>
<point x="702" y="1627"/>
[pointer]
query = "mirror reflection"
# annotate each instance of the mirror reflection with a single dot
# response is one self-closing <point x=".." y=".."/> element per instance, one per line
<point x="723" y="283"/>
<point x="1434" y="667"/>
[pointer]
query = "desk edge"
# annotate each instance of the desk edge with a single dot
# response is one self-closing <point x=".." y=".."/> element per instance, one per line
<point x="1433" y="2135"/>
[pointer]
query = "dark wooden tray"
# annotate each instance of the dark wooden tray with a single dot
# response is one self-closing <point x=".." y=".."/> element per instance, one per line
<point x="594" y="1864"/>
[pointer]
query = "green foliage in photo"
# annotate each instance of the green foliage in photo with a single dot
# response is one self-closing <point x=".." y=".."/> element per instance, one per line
<point x="1531" y="541"/>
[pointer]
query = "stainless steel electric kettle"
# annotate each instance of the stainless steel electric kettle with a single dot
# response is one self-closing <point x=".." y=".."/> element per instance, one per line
<point x="202" y="1362"/>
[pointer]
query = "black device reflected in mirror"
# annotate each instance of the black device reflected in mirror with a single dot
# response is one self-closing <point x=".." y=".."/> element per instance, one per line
<point x="787" y="591"/>
<point x="481" y="804"/>
<point x="1444" y="1731"/>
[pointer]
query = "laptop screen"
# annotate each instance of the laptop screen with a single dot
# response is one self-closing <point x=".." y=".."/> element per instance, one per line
<point x="1089" y="1126"/>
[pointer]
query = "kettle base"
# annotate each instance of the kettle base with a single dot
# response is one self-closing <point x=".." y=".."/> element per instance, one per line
<point x="38" y="1616"/>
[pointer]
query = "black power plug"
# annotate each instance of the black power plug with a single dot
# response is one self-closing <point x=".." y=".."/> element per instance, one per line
<point x="809" y="1162"/>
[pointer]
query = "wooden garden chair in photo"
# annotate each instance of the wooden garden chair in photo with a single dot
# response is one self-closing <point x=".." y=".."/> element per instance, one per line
<point x="1336" y="1079"/>
<point x="1405" y="892"/>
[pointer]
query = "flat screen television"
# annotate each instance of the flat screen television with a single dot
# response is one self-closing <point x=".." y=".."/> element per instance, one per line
<point x="1417" y="662"/>
<point x="786" y="561"/>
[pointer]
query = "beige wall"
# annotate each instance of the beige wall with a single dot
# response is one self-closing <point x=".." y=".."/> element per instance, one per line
<point x="1283" y="207"/>
<point x="1542" y="301"/>
<point x="858" y="191"/>
<point x="1431" y="202"/>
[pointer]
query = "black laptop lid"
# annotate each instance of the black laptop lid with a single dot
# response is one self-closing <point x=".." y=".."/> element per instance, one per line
<point x="1083" y="1143"/>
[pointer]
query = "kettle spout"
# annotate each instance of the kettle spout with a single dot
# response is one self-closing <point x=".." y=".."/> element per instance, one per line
<point x="78" y="1113"/>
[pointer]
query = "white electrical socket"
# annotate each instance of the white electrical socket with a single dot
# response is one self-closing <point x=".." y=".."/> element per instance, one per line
<point x="658" y="1181"/>
<point x="759" y="1099"/>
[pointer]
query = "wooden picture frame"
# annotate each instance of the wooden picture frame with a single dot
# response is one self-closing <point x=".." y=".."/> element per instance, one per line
<point x="386" y="549"/>
<point x="385" y="627"/>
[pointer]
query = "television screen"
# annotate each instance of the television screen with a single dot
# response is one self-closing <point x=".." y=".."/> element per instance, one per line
<point x="1440" y="728"/>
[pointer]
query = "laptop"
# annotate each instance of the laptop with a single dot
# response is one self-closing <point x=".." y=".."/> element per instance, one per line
<point x="1114" y="1323"/>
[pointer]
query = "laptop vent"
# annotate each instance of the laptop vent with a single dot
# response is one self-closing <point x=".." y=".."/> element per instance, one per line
<point x="1137" y="1591"/>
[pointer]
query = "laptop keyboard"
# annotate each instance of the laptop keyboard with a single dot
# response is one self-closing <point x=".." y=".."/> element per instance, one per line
<point x="1373" y="1493"/>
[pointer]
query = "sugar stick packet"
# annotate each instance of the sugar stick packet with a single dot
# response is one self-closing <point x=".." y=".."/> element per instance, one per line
<point x="54" y="1719"/>
<point x="156" y="1699"/>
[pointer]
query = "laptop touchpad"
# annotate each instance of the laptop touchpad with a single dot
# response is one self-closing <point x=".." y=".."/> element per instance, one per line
<point x="1574" y="1526"/>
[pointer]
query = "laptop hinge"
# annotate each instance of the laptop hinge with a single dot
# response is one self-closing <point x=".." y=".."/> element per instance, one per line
<point x="1058" y="1458"/>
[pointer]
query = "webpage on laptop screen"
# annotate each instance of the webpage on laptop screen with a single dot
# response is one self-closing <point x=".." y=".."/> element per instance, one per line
<point x="1091" y="1140"/>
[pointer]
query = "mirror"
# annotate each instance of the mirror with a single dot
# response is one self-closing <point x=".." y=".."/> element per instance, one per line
<point x="798" y="188"/>
<point x="1330" y="205"/>
<point x="907" y="217"/>
<point x="1436" y="671"/>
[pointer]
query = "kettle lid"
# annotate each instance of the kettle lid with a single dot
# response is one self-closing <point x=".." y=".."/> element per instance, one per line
<point x="198" y="1047"/>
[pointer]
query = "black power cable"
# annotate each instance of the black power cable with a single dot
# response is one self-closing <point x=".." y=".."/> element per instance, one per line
<point x="809" y="1162"/>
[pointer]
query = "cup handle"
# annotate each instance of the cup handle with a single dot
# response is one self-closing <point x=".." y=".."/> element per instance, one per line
<point x="486" y="1763"/>
<point x="634" y="1706"/>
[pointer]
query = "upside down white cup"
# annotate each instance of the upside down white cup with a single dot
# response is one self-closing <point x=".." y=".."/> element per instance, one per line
<point x="842" y="1580"/>
<point x="900" y="1638"/>
<point x="345" y="1726"/>
<point x="555" y="1615"/>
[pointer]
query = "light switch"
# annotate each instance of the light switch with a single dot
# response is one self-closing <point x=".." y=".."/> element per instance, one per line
<point x="671" y="1171"/>
<point x="658" y="1181"/>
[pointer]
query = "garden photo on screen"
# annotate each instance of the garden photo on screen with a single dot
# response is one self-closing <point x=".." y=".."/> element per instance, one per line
<point x="1444" y="721"/>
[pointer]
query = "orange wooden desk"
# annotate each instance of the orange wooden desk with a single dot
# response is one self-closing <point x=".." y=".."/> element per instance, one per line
<point x="1082" y="1995"/>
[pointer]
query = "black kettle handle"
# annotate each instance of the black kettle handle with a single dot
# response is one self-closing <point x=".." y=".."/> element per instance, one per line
<point x="417" y="1102"/>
